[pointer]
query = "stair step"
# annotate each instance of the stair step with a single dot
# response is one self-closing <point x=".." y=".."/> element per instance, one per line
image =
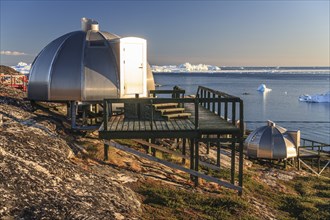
<point x="171" y="110"/>
<point x="178" y="115"/>
<point x="165" y="105"/>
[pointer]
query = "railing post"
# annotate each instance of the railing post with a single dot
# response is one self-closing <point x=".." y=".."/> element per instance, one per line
<point x="208" y="101"/>
<point x="213" y="102"/>
<point x="204" y="96"/>
<point x="233" y="112"/>
<point x="196" y="113"/>
<point x="226" y="110"/>
<point x="241" y="117"/>
<point x="219" y="105"/>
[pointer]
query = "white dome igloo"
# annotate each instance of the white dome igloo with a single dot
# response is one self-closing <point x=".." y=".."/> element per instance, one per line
<point x="272" y="142"/>
<point x="81" y="66"/>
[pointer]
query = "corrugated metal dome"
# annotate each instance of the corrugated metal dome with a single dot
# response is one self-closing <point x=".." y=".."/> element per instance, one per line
<point x="78" y="66"/>
<point x="272" y="142"/>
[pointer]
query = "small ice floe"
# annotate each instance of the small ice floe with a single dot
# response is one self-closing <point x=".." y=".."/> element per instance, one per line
<point x="263" y="88"/>
<point x="315" y="98"/>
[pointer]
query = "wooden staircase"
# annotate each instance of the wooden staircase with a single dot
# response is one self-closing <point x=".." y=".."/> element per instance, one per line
<point x="171" y="111"/>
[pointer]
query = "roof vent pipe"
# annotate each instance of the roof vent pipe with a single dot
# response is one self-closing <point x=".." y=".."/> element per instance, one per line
<point x="271" y="123"/>
<point x="89" y="24"/>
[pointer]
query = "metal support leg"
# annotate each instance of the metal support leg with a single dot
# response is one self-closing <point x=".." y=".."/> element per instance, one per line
<point x="106" y="151"/>
<point x="192" y="142"/>
<point x="184" y="150"/>
<point x="84" y="120"/>
<point x="153" y="150"/>
<point x="147" y="148"/>
<point x="207" y="146"/>
<point x="73" y="108"/>
<point x="232" y="168"/>
<point x="218" y="151"/>
<point x="68" y="110"/>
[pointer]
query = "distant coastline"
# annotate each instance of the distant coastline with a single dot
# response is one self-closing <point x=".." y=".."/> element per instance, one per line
<point x="210" y="69"/>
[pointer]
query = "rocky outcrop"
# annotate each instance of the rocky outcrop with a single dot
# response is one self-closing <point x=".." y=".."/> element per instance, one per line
<point x="7" y="70"/>
<point x="40" y="177"/>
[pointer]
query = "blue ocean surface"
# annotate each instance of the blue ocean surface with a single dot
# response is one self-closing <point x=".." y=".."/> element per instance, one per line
<point x="280" y="105"/>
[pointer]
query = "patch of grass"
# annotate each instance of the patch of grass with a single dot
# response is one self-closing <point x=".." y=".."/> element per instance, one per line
<point x="224" y="173"/>
<point x="303" y="208"/>
<point x="312" y="201"/>
<point x="193" y="205"/>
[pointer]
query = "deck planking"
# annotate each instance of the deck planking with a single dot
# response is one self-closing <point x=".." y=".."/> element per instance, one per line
<point x="209" y="123"/>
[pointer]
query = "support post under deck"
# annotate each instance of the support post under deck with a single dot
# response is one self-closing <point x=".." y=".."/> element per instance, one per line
<point x="196" y="159"/>
<point x="240" y="166"/>
<point x="106" y="151"/>
<point x="232" y="168"/>
<point x="73" y="109"/>
<point x="153" y="150"/>
<point x="192" y="142"/>
<point x="183" y="150"/>
<point x="218" y="151"/>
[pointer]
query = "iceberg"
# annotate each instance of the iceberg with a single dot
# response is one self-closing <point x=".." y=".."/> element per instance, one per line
<point x="318" y="98"/>
<point x="186" y="68"/>
<point x="263" y="88"/>
<point x="22" y="67"/>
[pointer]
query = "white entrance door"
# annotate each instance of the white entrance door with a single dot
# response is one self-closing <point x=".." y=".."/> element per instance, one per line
<point x="133" y="67"/>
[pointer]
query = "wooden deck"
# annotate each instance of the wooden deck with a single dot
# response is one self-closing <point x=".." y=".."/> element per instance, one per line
<point x="211" y="123"/>
<point x="119" y="127"/>
<point x="208" y="123"/>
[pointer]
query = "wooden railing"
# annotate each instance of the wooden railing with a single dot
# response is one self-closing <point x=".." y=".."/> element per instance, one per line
<point x="177" y="92"/>
<point x="315" y="150"/>
<point x="313" y="145"/>
<point x="221" y="103"/>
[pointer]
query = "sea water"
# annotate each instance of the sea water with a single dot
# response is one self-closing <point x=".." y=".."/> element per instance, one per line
<point x="280" y="105"/>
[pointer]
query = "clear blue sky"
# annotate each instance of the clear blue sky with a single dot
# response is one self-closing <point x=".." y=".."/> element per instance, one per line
<point x="224" y="33"/>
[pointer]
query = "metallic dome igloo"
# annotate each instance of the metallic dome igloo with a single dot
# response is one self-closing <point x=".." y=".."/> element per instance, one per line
<point x="90" y="65"/>
<point x="272" y="142"/>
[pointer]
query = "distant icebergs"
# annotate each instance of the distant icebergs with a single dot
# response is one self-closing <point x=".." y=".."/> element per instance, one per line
<point x="22" y="67"/>
<point x="315" y="98"/>
<point x="263" y="88"/>
<point x="186" y="67"/>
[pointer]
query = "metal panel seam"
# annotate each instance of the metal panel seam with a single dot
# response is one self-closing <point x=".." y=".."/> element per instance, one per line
<point x="50" y="73"/>
<point x="82" y="71"/>
<point x="109" y="48"/>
